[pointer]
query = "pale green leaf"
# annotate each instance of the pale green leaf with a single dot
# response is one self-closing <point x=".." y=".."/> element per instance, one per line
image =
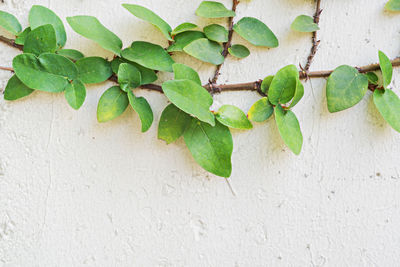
<point x="388" y="104"/>
<point x="173" y="123"/>
<point x="233" y="117"/>
<point x="217" y="33"/>
<point x="183" y="39"/>
<point x="212" y="9"/>
<point x="71" y="54"/>
<point x="386" y="68"/>
<point x="112" y="104"/>
<point x="304" y="23"/>
<point x="298" y="95"/>
<point x="184" y="27"/>
<point x="393" y="5"/>
<point x="143" y="109"/>
<point x="10" y="23"/>
<point x="289" y="129"/>
<point x="205" y="50"/>
<point x="256" y="32"/>
<point x="261" y="110"/>
<point x="283" y="86"/>
<point x="75" y="93"/>
<point x="239" y="51"/>
<point x="182" y="72"/>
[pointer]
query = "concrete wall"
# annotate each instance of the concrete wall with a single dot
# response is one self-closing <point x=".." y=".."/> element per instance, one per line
<point x="74" y="192"/>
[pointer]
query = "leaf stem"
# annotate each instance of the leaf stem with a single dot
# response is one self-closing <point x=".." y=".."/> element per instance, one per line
<point x="7" y="69"/>
<point x="10" y="42"/>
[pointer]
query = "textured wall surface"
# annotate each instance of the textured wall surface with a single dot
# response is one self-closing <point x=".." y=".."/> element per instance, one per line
<point x="74" y="192"/>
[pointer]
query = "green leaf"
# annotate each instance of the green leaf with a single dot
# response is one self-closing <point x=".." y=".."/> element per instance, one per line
<point x="372" y="77"/>
<point x="386" y="68"/>
<point x="183" y="39"/>
<point x="217" y="33"/>
<point x="149" y="16"/>
<point x="304" y="23"/>
<point x="41" y="40"/>
<point x="48" y="72"/>
<point x="93" y="69"/>
<point x="239" y="51"/>
<point x="233" y="117"/>
<point x="40" y="15"/>
<point x="212" y="9"/>
<point x="173" y="123"/>
<point x="71" y="54"/>
<point x="345" y="88"/>
<point x="142" y="107"/>
<point x="205" y="50"/>
<point x="266" y="83"/>
<point x="184" y="27"/>
<point x="289" y="129"/>
<point x="393" y="5"/>
<point x="15" y="89"/>
<point x="129" y="77"/>
<point x="256" y="32"/>
<point x="261" y="110"/>
<point x="211" y="147"/>
<point x="21" y="37"/>
<point x="388" y="104"/>
<point x="191" y="98"/>
<point x="149" y="55"/>
<point x="10" y="23"/>
<point x="91" y="28"/>
<point x="182" y="72"/>
<point x="75" y="93"/>
<point x="147" y="75"/>
<point x="112" y="104"/>
<point x="298" y="95"/>
<point x="283" y="86"/>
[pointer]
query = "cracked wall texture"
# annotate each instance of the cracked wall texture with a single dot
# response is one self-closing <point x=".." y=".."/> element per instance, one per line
<point x="74" y="192"/>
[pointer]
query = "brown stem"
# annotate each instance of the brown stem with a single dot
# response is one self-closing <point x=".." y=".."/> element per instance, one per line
<point x="7" y="69"/>
<point x="226" y="45"/>
<point x="10" y="42"/>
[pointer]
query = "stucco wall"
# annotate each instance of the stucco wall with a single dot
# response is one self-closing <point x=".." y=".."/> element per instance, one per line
<point x="74" y="192"/>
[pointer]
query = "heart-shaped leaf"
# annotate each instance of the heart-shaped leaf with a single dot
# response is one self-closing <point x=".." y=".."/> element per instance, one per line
<point x="149" y="16"/>
<point x="48" y="72"/>
<point x="345" y="88"/>
<point x="41" y="40"/>
<point x="283" y="86"/>
<point x="233" y="117"/>
<point x="289" y="129"/>
<point x="183" y="72"/>
<point x="75" y="93"/>
<point x="386" y="68"/>
<point x="93" y="69"/>
<point x="15" y="89"/>
<point x="183" y="39"/>
<point x="149" y="55"/>
<point x="112" y="104"/>
<point x="173" y="123"/>
<point x="393" y="5"/>
<point x="261" y="110"/>
<point x="239" y="51"/>
<point x="304" y="23"/>
<point x="91" y="28"/>
<point x="205" y="50"/>
<point x="147" y="75"/>
<point x="191" y="98"/>
<point x="388" y="104"/>
<point x="129" y="77"/>
<point x="40" y="15"/>
<point x="71" y="54"/>
<point x="217" y="33"/>
<point x="10" y="23"/>
<point x="143" y="109"/>
<point x="210" y="146"/>
<point x="212" y="9"/>
<point x="184" y="27"/>
<point x="256" y="32"/>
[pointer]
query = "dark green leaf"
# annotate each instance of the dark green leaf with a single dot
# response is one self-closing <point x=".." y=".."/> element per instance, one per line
<point x="91" y="28"/>
<point x="388" y="104"/>
<point x="298" y="95"/>
<point x="184" y="27"/>
<point x="211" y="147"/>
<point x="205" y="50"/>
<point x="93" y="69"/>
<point x="48" y="72"/>
<point x="183" y="39"/>
<point x="283" y="86"/>
<point x="149" y="16"/>
<point x="239" y="51"/>
<point x="289" y="129"/>
<point x="173" y="123"/>
<point x="212" y="9"/>
<point x="345" y="88"/>
<point x="191" y="98"/>
<point x="372" y="77"/>
<point x="304" y="23"/>
<point x="10" y="23"/>
<point x="149" y="55"/>
<point x="148" y="75"/>
<point x="22" y="36"/>
<point x="112" y="103"/>
<point x="40" y="15"/>
<point x="217" y="33"/>
<point x="261" y="110"/>
<point x="266" y="83"/>
<point x="15" y="89"/>
<point x="71" y="54"/>
<point x="386" y="68"/>
<point x="143" y="109"/>
<point x="256" y="32"/>
<point x="129" y="77"/>
<point x="182" y="72"/>
<point x="393" y="5"/>
<point x="75" y="93"/>
<point x="41" y="40"/>
<point x="233" y="117"/>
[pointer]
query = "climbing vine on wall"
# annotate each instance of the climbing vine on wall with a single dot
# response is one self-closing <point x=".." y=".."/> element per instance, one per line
<point x="46" y="66"/>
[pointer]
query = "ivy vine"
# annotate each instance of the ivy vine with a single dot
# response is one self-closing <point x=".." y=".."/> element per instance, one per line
<point x="46" y="66"/>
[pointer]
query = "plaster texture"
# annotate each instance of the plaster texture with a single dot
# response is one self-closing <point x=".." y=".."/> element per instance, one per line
<point x="74" y="192"/>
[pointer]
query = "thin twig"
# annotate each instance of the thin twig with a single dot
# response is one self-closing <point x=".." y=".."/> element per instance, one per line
<point x="226" y="45"/>
<point x="7" y="69"/>
<point x="11" y="42"/>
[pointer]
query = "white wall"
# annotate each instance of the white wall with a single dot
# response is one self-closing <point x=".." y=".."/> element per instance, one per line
<point x="74" y="192"/>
